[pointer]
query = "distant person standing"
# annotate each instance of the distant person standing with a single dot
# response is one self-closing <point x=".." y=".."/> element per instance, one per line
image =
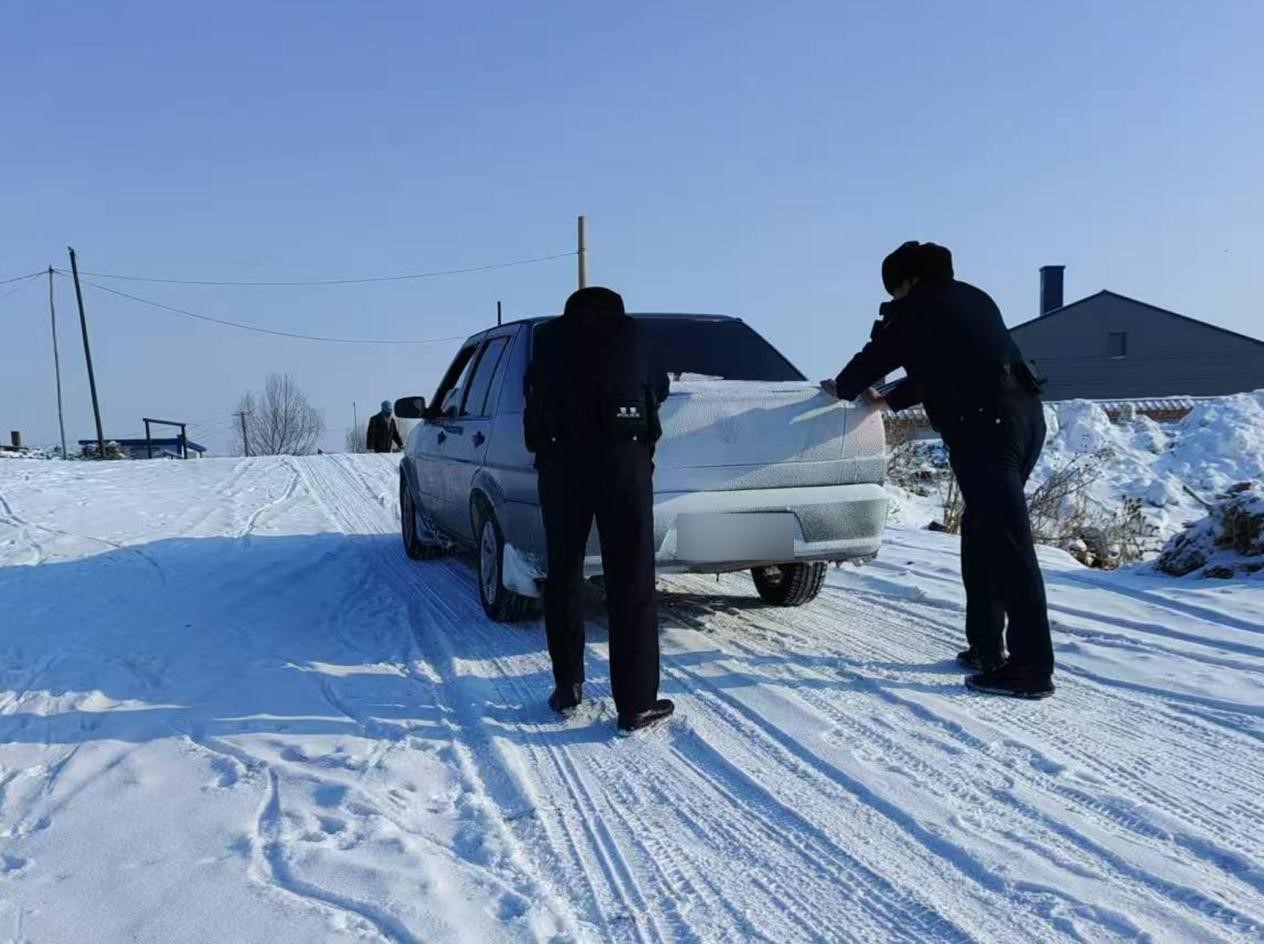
<point x="383" y="435"/>
<point x="984" y="399"/>
<point x="592" y="422"/>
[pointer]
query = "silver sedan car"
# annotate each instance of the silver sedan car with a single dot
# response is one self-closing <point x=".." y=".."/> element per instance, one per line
<point x="757" y="469"/>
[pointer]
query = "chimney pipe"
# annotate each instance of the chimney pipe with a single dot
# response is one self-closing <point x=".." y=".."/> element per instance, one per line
<point x="1050" y="288"/>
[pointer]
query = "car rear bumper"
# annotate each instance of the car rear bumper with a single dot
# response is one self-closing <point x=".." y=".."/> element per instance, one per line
<point x="831" y="523"/>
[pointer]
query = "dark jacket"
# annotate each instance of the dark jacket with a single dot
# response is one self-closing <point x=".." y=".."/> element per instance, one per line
<point x="592" y="381"/>
<point x="952" y="343"/>
<point x="382" y="433"/>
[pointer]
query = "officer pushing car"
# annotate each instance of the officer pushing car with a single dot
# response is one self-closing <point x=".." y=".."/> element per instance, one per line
<point x="984" y="399"/>
<point x="591" y="420"/>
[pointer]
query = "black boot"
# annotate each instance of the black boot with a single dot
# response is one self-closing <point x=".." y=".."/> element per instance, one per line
<point x="974" y="659"/>
<point x="661" y="709"/>
<point x="1012" y="680"/>
<point x="565" y="698"/>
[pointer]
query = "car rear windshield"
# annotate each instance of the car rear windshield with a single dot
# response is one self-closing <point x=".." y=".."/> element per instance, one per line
<point x="717" y="348"/>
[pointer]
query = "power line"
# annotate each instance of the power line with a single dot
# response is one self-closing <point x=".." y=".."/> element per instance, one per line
<point x="19" y="278"/>
<point x="271" y="331"/>
<point x="360" y="281"/>
<point x="28" y="279"/>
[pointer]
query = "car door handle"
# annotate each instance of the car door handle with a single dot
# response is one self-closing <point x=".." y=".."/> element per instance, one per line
<point x="479" y="439"/>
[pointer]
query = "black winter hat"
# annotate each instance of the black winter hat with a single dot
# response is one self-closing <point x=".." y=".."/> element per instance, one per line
<point x="594" y="300"/>
<point x="928" y="261"/>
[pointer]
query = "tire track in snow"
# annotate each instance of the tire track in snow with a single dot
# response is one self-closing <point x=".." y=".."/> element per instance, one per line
<point x="600" y="851"/>
<point x="831" y="780"/>
<point x="1103" y="701"/>
<point x="903" y="916"/>
<point x="903" y="655"/>
<point x="267" y="856"/>
<point x="287" y="494"/>
<point x="1196" y="643"/>
<point x="1092" y="703"/>
<point x="481" y="771"/>
<point x="22" y="530"/>
<point x="1236" y="866"/>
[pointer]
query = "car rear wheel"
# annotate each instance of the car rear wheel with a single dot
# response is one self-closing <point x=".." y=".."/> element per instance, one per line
<point x="414" y="546"/>
<point x="789" y="584"/>
<point x="499" y="603"/>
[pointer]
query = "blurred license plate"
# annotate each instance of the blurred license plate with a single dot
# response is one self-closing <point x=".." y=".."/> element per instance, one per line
<point x="716" y="538"/>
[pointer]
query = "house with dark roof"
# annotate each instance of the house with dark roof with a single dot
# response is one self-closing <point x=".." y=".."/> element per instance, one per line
<point x="1108" y="346"/>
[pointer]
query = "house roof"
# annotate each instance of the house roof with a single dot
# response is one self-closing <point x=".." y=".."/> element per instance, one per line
<point x="1134" y="301"/>
<point x="172" y="442"/>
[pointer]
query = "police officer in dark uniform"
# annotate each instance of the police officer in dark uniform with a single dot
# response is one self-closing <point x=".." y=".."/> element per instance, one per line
<point x="591" y="420"/>
<point x="984" y="399"/>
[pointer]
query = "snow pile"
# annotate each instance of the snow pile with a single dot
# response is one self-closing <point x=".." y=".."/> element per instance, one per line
<point x="1229" y="541"/>
<point x="1219" y="443"/>
<point x="1164" y="472"/>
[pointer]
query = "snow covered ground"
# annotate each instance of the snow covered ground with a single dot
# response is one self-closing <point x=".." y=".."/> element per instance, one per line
<point x="232" y="710"/>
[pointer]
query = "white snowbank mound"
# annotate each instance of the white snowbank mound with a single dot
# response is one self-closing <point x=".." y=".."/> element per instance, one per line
<point x="1228" y="542"/>
<point x="1220" y="443"/>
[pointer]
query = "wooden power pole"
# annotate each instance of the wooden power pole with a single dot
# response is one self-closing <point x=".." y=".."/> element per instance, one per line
<point x="52" y="314"/>
<point x="583" y="254"/>
<point x="245" y="441"/>
<point x="87" y="355"/>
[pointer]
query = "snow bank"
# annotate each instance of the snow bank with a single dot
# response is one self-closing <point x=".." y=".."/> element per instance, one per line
<point x="1229" y="541"/>
<point x="1221" y="442"/>
<point x="1172" y="469"/>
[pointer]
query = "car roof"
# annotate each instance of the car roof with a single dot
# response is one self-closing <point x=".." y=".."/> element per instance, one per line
<point x="478" y="336"/>
<point x="642" y="315"/>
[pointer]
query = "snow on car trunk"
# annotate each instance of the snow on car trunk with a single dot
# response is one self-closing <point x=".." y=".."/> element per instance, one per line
<point x="731" y="434"/>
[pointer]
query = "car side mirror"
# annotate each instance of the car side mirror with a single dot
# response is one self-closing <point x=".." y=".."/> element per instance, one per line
<point x="411" y="408"/>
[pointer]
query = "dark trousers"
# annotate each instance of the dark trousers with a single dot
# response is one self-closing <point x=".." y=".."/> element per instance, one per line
<point x="992" y="455"/>
<point x="614" y="485"/>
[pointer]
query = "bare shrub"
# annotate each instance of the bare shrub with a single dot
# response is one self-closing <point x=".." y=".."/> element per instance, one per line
<point x="281" y="420"/>
<point x="954" y="504"/>
<point x="913" y="464"/>
<point x="1064" y="514"/>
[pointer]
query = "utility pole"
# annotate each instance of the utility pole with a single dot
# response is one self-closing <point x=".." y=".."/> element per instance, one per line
<point x="87" y="355"/>
<point x="583" y="254"/>
<point x="52" y="314"/>
<point x="245" y="442"/>
<point x="498" y="314"/>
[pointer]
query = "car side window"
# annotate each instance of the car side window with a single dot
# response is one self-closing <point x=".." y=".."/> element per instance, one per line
<point x="475" y="402"/>
<point x="512" y="399"/>
<point x="448" y="397"/>
<point x="495" y="392"/>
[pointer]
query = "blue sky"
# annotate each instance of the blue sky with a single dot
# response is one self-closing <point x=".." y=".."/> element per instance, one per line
<point x="750" y="158"/>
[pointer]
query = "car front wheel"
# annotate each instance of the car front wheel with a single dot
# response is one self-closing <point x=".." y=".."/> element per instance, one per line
<point x="789" y="584"/>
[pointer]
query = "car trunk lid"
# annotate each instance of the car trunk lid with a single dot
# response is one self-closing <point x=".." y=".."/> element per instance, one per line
<point x="736" y="434"/>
